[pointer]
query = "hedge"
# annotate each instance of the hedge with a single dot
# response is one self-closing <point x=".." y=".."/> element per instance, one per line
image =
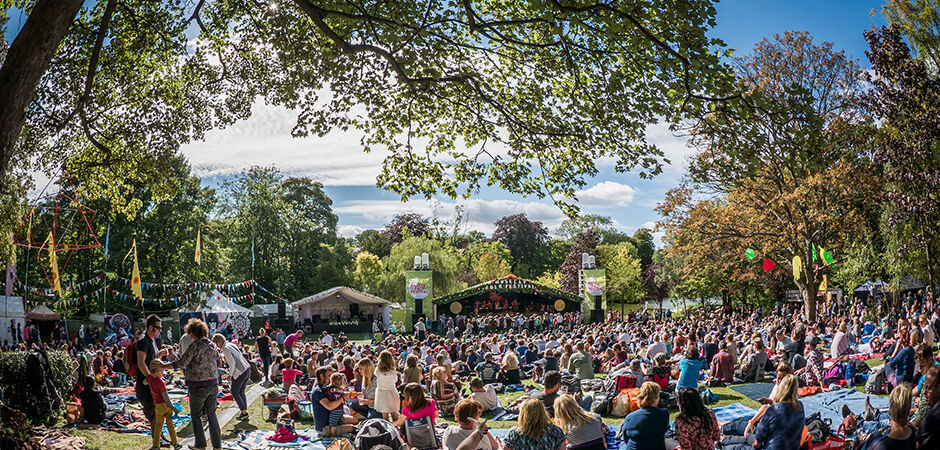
<point x="16" y="392"/>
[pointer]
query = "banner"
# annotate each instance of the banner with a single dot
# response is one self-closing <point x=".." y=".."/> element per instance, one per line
<point x="595" y="284"/>
<point x="419" y="287"/>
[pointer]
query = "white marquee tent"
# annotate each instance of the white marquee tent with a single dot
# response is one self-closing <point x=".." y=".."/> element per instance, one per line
<point x="336" y="302"/>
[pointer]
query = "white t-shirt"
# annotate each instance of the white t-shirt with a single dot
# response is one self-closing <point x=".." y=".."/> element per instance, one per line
<point x="326" y="340"/>
<point x="454" y="435"/>
<point x="487" y="398"/>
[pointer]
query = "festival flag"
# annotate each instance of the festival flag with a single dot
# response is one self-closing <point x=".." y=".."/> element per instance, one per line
<point x="56" y="284"/>
<point x="135" y="277"/>
<point x="797" y="267"/>
<point x="199" y="247"/>
<point x="824" y="286"/>
<point x="750" y="253"/>
<point x="107" y="238"/>
<point x="252" y="252"/>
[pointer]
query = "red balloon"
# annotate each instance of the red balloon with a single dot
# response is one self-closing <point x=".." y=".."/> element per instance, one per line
<point x="769" y="265"/>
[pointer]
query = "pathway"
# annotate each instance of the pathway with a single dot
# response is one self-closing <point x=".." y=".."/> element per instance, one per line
<point x="227" y="414"/>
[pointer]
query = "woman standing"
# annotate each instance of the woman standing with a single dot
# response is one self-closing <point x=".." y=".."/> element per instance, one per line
<point x="238" y="369"/>
<point x="782" y="424"/>
<point x="584" y="431"/>
<point x="535" y="430"/>
<point x="200" y="364"/>
<point x="645" y="428"/>
<point x="696" y="425"/>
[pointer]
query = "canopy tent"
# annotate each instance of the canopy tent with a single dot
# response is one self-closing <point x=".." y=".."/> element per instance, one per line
<point x="43" y="313"/>
<point x="509" y="293"/>
<point x="220" y="313"/>
<point x="11" y="310"/>
<point x="342" y="303"/>
<point x="909" y="283"/>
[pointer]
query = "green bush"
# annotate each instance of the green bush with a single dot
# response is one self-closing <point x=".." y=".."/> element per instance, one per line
<point x="15" y="386"/>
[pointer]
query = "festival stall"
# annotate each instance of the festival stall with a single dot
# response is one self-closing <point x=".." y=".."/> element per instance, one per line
<point x="341" y="309"/>
<point x="508" y="294"/>
<point x="220" y="313"/>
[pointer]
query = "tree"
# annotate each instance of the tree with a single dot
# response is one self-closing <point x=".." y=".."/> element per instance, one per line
<point x="586" y="242"/>
<point x="470" y="256"/>
<point x="438" y="73"/>
<point x="624" y="276"/>
<point x="413" y="224"/>
<point x="919" y="20"/>
<point x="788" y="159"/>
<point x="490" y="267"/>
<point x="656" y="285"/>
<point x="603" y="226"/>
<point x="643" y="240"/>
<point x="368" y="269"/>
<point x="906" y="100"/>
<point x="522" y="237"/>
<point x="374" y="242"/>
<point x="443" y="259"/>
<point x="551" y="279"/>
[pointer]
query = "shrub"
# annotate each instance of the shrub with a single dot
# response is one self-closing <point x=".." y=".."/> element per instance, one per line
<point x="15" y="386"/>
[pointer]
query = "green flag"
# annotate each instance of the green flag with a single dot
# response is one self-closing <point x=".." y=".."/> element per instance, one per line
<point x="750" y="254"/>
<point x="827" y="257"/>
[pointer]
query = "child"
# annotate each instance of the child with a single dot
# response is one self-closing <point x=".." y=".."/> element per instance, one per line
<point x="336" y="391"/>
<point x="163" y="407"/>
<point x="289" y="373"/>
<point x="414" y="405"/>
<point x="387" y="400"/>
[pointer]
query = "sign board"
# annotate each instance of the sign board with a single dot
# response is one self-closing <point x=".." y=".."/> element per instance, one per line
<point x="419" y="285"/>
<point x="595" y="284"/>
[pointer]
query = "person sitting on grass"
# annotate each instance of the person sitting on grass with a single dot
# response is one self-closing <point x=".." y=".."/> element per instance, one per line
<point x="485" y="394"/>
<point x="696" y="426"/>
<point x="289" y="373"/>
<point x="163" y="407"/>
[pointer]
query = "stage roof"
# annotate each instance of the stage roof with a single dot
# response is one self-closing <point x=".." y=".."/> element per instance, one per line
<point x="345" y="293"/>
<point x="509" y="283"/>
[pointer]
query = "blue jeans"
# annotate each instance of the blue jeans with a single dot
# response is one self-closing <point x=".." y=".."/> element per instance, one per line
<point x="238" y="390"/>
<point x="205" y="399"/>
<point x="881" y="420"/>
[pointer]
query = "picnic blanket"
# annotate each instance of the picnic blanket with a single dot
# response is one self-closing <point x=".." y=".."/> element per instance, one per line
<point x="256" y="439"/>
<point x="733" y="411"/>
<point x="829" y="404"/>
<point x="754" y="391"/>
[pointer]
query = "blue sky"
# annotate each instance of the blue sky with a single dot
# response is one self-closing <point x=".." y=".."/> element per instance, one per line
<point x="349" y="175"/>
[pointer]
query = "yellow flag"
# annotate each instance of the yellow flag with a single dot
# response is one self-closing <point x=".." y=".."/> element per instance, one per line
<point x="29" y="229"/>
<point x="198" y="247"/>
<point x="56" y="284"/>
<point x="135" y="276"/>
<point x="824" y="286"/>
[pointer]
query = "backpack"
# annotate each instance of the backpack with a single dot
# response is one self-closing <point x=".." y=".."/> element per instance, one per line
<point x="817" y="428"/>
<point x="420" y="433"/>
<point x="618" y="382"/>
<point x="876" y="382"/>
<point x="378" y="432"/>
<point x="849" y="373"/>
<point x="603" y="403"/>
<point x="130" y="353"/>
<point x="572" y="382"/>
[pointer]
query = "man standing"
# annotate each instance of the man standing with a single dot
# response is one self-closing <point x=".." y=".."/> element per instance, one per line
<point x="420" y="330"/>
<point x="146" y="352"/>
<point x="928" y="435"/>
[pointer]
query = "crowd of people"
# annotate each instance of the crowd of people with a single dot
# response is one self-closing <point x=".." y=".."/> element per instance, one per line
<point x="453" y="367"/>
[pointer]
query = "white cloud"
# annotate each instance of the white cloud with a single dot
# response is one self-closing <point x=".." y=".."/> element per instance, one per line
<point x="349" y="231"/>
<point x="674" y="145"/>
<point x="265" y="139"/>
<point x="479" y="215"/>
<point x="606" y="194"/>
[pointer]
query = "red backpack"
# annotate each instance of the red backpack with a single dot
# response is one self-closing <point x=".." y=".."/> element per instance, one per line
<point x="130" y="357"/>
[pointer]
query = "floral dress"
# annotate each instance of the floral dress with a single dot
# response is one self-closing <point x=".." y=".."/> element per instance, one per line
<point x="551" y="439"/>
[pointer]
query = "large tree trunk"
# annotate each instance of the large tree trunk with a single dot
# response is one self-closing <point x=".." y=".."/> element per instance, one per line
<point x="26" y="61"/>
<point x="809" y="289"/>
